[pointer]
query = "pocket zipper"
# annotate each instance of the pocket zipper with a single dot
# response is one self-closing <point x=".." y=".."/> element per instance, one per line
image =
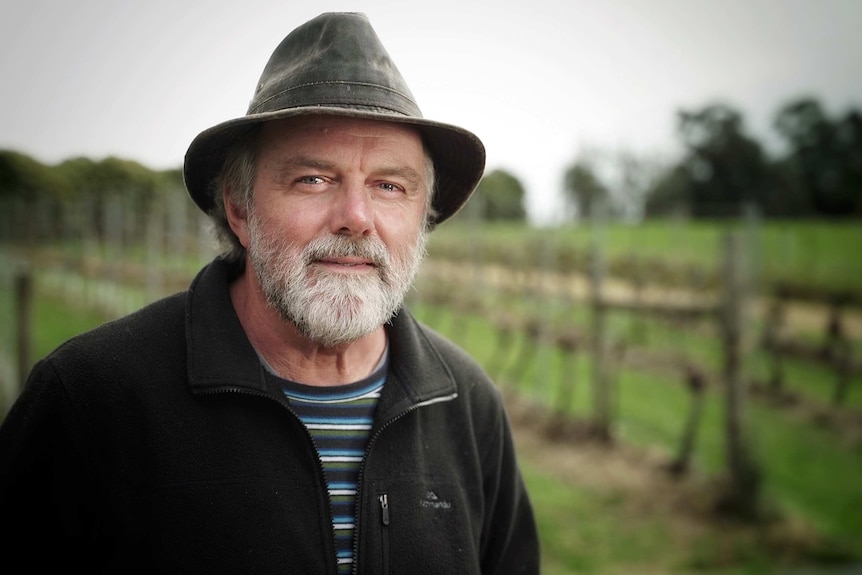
<point x="384" y="519"/>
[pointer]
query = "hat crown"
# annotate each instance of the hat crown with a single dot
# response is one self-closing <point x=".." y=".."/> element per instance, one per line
<point x="336" y="65"/>
<point x="337" y="60"/>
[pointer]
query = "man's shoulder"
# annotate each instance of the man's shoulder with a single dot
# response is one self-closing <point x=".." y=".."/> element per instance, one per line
<point x="157" y="323"/>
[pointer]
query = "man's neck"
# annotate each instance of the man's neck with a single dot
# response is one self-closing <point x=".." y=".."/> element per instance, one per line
<point x="292" y="355"/>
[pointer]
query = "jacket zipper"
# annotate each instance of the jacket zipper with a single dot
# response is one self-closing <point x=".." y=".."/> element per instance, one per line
<point x="322" y="475"/>
<point x="384" y="519"/>
<point x="383" y="497"/>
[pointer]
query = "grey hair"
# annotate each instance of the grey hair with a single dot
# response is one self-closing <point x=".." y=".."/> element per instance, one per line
<point x="237" y="177"/>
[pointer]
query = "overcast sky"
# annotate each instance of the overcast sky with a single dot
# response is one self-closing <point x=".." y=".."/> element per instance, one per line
<point x="537" y="80"/>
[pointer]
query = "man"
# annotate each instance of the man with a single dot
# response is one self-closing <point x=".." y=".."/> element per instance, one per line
<point x="286" y="414"/>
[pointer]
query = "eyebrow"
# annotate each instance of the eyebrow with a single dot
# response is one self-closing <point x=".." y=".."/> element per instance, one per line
<point x="298" y="162"/>
<point x="404" y="172"/>
<point x="294" y="163"/>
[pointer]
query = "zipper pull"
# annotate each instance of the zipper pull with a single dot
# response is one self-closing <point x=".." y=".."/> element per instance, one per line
<point x="384" y="508"/>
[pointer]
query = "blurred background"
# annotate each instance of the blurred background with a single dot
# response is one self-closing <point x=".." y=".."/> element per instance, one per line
<point x="661" y="267"/>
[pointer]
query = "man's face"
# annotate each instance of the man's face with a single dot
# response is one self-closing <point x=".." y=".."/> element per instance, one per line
<point x="336" y="230"/>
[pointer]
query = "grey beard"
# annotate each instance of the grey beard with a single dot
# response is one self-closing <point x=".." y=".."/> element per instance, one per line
<point x="325" y="306"/>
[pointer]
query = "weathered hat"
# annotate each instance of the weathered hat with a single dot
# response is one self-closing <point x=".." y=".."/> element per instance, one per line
<point x="336" y="65"/>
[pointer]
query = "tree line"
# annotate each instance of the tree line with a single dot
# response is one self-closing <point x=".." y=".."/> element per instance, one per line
<point x="23" y="177"/>
<point x="722" y="171"/>
<point x="27" y="183"/>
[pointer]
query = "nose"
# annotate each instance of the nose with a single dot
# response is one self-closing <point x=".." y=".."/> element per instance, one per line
<point x="353" y="212"/>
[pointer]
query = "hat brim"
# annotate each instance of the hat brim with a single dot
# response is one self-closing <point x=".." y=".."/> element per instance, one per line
<point x="458" y="154"/>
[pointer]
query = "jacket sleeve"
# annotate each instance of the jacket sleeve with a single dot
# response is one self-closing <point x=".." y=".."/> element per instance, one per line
<point x="512" y="542"/>
<point x="43" y="486"/>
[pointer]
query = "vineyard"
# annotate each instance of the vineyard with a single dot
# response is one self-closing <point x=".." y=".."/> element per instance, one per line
<point x="726" y="356"/>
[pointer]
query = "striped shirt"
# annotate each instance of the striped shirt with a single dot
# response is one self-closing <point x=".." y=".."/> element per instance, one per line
<point x="339" y="420"/>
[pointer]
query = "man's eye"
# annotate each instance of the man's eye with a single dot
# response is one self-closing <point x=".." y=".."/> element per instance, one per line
<point x="389" y="187"/>
<point x="311" y="180"/>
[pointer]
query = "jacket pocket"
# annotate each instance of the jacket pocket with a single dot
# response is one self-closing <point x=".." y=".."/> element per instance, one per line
<point x="424" y="524"/>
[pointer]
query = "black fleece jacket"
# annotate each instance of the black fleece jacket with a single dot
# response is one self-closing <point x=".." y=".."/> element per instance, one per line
<point x="152" y="444"/>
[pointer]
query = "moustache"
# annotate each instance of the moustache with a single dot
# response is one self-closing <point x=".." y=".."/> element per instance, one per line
<point x="371" y="249"/>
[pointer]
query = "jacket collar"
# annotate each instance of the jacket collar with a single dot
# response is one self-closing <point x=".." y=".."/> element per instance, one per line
<point x="220" y="357"/>
<point x="219" y="353"/>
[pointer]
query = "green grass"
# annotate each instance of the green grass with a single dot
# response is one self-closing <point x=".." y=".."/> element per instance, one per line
<point x="809" y="472"/>
<point x="584" y="531"/>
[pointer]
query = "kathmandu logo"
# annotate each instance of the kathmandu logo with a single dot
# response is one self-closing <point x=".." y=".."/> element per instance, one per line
<point x="434" y="502"/>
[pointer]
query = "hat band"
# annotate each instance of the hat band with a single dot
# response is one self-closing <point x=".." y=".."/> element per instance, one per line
<point x="339" y="94"/>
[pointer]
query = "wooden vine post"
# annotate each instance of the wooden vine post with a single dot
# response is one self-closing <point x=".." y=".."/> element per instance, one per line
<point x="602" y="395"/>
<point x="23" y="324"/>
<point x="744" y="473"/>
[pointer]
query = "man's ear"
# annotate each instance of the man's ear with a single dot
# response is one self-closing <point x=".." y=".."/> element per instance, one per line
<point x="237" y="217"/>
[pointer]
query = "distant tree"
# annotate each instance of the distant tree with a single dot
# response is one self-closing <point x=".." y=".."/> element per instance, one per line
<point x="170" y="179"/>
<point x="498" y="197"/>
<point x="850" y="136"/>
<point x="107" y="177"/>
<point x="585" y="192"/>
<point x="725" y="168"/>
<point x="669" y="194"/>
<point x="825" y="156"/>
<point x="786" y="195"/>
